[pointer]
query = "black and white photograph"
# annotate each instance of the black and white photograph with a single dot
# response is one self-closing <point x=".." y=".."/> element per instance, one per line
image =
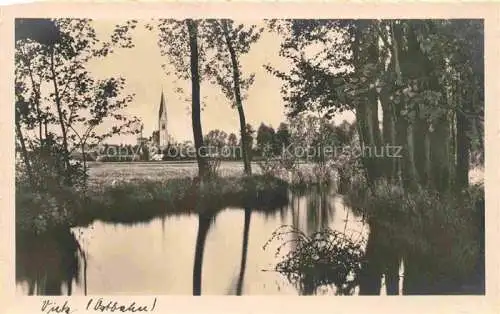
<point x="228" y="156"/>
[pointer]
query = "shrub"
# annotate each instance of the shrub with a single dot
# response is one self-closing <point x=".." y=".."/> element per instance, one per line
<point x="324" y="258"/>
<point x="47" y="197"/>
<point x="40" y="211"/>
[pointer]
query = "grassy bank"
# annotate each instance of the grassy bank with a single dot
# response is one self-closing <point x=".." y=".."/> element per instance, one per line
<point x="142" y="200"/>
<point x="439" y="236"/>
<point x="136" y="192"/>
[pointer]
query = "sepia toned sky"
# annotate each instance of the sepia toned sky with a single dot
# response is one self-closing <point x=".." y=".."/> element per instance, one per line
<point x="141" y="67"/>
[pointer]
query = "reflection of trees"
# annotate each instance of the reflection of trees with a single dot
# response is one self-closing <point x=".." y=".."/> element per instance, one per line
<point x="296" y="196"/>
<point x="382" y="257"/>
<point x="47" y="262"/>
<point x="84" y="259"/>
<point x="246" y="230"/>
<point x="204" y="221"/>
<point x="320" y="208"/>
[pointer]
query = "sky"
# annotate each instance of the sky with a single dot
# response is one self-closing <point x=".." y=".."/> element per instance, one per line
<point x="141" y="67"/>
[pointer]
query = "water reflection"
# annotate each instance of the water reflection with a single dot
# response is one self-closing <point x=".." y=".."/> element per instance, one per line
<point x="215" y="249"/>
<point x="382" y="260"/>
<point x="49" y="264"/>
<point x="244" y="250"/>
<point x="203" y="227"/>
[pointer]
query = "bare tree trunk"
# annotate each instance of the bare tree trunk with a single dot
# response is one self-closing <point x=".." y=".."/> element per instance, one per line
<point x="405" y="127"/>
<point x="37" y="102"/>
<point x="195" y="98"/>
<point x="403" y="130"/>
<point x="462" y="152"/>
<point x="24" y="151"/>
<point x="237" y="94"/>
<point x="45" y="128"/>
<point x="411" y="166"/>
<point x="389" y="135"/>
<point x="84" y="158"/>
<point x="420" y="132"/>
<point x="60" y="115"/>
<point x="367" y="120"/>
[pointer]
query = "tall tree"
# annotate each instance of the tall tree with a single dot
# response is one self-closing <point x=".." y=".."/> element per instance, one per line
<point x="232" y="140"/>
<point x="282" y="137"/>
<point x="428" y="78"/>
<point x="230" y="41"/>
<point x="414" y="69"/>
<point x="246" y="143"/>
<point x="58" y="95"/>
<point x="216" y="139"/>
<point x="179" y="40"/>
<point x="265" y="138"/>
<point x="195" y="95"/>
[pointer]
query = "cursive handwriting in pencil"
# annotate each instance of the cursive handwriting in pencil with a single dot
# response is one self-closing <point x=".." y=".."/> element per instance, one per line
<point x="101" y="305"/>
<point x="51" y="307"/>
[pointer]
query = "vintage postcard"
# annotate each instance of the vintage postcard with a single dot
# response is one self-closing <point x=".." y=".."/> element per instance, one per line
<point x="158" y="152"/>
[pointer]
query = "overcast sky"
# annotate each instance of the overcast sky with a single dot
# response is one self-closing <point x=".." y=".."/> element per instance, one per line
<point x="141" y="67"/>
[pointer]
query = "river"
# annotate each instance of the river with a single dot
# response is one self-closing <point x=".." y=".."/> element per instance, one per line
<point x="184" y="254"/>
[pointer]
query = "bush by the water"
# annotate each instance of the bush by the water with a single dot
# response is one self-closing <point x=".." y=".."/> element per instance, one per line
<point x="47" y="195"/>
<point x="326" y="257"/>
<point x="40" y="211"/>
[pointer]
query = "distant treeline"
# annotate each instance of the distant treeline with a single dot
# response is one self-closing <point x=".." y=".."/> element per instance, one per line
<point x="302" y="131"/>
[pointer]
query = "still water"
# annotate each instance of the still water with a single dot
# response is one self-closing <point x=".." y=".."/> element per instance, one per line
<point x="218" y="255"/>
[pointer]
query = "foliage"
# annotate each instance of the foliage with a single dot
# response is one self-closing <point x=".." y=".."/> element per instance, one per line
<point x="331" y="149"/>
<point x="229" y="42"/>
<point x="266" y="142"/>
<point x="59" y="108"/>
<point x="219" y="35"/>
<point x="426" y="74"/>
<point x="85" y="101"/>
<point x="317" y="51"/>
<point x="216" y="138"/>
<point x="38" y="212"/>
<point x="326" y="257"/>
<point x="179" y="40"/>
<point x="78" y="103"/>
<point x="213" y="164"/>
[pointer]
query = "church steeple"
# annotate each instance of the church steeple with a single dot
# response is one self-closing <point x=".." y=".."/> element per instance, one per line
<point x="162" y="104"/>
<point x="163" y="122"/>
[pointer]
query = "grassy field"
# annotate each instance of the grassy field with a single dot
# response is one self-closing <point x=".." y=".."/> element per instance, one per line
<point x="112" y="173"/>
<point x="109" y="172"/>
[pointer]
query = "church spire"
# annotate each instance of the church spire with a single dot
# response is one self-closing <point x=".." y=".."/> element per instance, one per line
<point x="162" y="104"/>
<point x="162" y="122"/>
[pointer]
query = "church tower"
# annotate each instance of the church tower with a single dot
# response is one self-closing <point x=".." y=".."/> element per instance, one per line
<point x="162" y="123"/>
